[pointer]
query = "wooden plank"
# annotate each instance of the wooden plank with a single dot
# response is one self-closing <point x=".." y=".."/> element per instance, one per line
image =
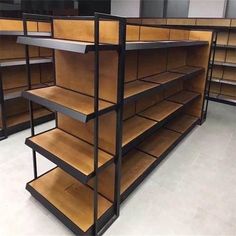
<point x="222" y="38"/>
<point x="213" y="22"/>
<point x="137" y="87"/>
<point x="83" y="30"/>
<point x="158" y="143"/>
<point x="229" y="90"/>
<point x="176" y="58"/>
<point x="187" y="69"/>
<point x="163" y="78"/>
<point x="70" y="197"/>
<point x="24" y="117"/>
<point x="9" y="49"/>
<point x="232" y="38"/>
<point x="231" y="56"/>
<point x="175" y="87"/>
<point x="133" y="166"/>
<point x="149" y="101"/>
<point x="148" y="62"/>
<point x="183" y="97"/>
<point x="85" y="131"/>
<point x="16" y="25"/>
<point x="44" y="27"/>
<point x="161" y="111"/>
<point x="66" y="98"/>
<point x="11" y="81"/>
<point x="154" y="21"/>
<point x="75" y="152"/>
<point x="218" y="71"/>
<point x="153" y="33"/>
<point x="75" y="71"/>
<point x="182" y="123"/>
<point x="134" y="127"/>
<point x="176" y="34"/>
<point x="131" y="66"/>
<point x="183" y="21"/>
<point x="215" y="88"/>
<point x="233" y="23"/>
<point x="230" y="74"/>
<point x="220" y="54"/>
<point x="129" y="110"/>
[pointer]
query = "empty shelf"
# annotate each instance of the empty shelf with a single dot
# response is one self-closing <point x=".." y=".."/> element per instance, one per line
<point x="68" y="152"/>
<point x="20" y="62"/>
<point x="134" y="165"/>
<point x="19" y="33"/>
<point x="228" y="64"/>
<point x="73" y="104"/>
<point x="225" y="46"/>
<point x="136" y="89"/>
<point x="134" y="127"/>
<point x="68" y="199"/>
<point x="142" y="45"/>
<point x="227" y="99"/>
<point x="157" y="144"/>
<point x="24" y="117"/>
<point x="65" y="45"/>
<point x="182" y="123"/>
<point x="161" y="111"/>
<point x="188" y="70"/>
<point x="183" y="97"/>
<point x="163" y="78"/>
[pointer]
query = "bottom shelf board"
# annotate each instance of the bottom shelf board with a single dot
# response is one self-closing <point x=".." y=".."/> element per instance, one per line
<point x="71" y="199"/>
<point x="182" y="123"/>
<point x="134" y="164"/>
<point x="159" y="142"/>
<point x="230" y="100"/>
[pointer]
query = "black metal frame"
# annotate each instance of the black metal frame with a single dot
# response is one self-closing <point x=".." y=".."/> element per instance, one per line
<point x="100" y="224"/>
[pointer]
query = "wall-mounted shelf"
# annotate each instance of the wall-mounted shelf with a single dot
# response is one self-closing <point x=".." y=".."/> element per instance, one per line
<point x="112" y="106"/>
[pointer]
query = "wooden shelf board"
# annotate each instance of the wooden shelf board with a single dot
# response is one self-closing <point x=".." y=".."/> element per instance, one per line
<point x="227" y="98"/>
<point x="135" y="89"/>
<point x="161" y="110"/>
<point x="188" y="70"/>
<point x="225" y="46"/>
<point x="24" y="117"/>
<point x="163" y="78"/>
<point x="221" y="63"/>
<point x="183" y="97"/>
<point x="70" y="153"/>
<point x="72" y="199"/>
<point x="134" y="127"/>
<point x="20" y="62"/>
<point x="76" y="105"/>
<point x="158" y="143"/>
<point x="134" y="164"/>
<point x="182" y="123"/>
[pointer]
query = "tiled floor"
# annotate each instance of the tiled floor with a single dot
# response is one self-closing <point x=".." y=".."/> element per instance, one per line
<point x="191" y="193"/>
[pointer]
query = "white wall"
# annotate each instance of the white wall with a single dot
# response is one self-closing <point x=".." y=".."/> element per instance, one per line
<point x="126" y="7"/>
<point x="207" y="8"/>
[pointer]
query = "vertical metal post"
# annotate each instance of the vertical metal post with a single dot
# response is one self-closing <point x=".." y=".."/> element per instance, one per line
<point x="119" y="111"/>
<point x="96" y="122"/>
<point x="3" y="112"/>
<point x="28" y="69"/>
<point x="209" y="75"/>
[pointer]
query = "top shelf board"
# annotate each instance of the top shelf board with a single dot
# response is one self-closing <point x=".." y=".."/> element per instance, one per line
<point x="84" y="47"/>
<point x="20" y="33"/>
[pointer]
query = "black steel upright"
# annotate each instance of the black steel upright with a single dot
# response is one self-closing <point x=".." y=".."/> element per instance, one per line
<point x="3" y="131"/>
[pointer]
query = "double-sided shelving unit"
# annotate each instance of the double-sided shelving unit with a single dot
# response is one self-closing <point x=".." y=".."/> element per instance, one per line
<point x="223" y="80"/>
<point x="14" y="115"/>
<point x="125" y="96"/>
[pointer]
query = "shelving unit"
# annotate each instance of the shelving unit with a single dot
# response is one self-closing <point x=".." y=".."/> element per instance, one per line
<point x="125" y="96"/>
<point x="223" y="81"/>
<point x="14" y="115"/>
